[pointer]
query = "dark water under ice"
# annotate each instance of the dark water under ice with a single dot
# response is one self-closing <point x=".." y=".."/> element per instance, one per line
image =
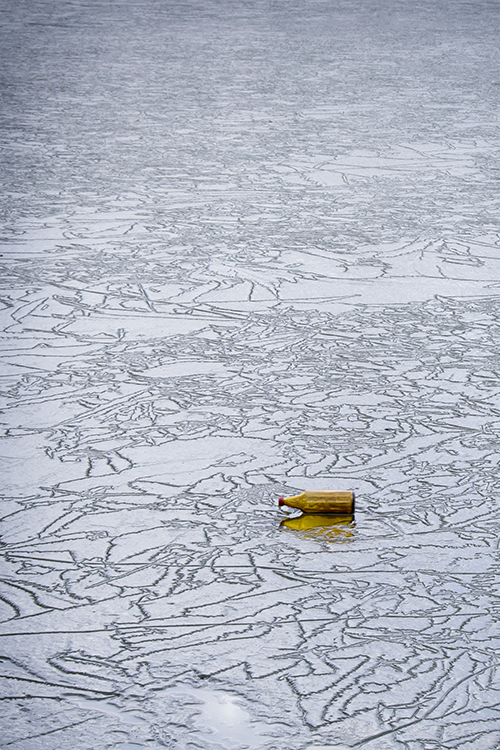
<point x="249" y="247"/>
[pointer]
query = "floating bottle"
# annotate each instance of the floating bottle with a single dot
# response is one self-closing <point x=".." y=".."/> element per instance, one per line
<point x="321" y="502"/>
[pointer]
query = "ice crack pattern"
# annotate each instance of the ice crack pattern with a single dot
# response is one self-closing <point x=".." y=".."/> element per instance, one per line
<point x="249" y="247"/>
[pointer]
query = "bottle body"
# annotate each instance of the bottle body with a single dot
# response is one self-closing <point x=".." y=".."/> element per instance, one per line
<point x="341" y="502"/>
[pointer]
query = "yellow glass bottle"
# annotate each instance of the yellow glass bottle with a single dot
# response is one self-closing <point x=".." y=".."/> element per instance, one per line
<point x="321" y="502"/>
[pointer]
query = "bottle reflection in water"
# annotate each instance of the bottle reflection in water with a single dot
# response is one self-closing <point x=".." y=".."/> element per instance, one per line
<point x="321" y="502"/>
<point x="327" y="525"/>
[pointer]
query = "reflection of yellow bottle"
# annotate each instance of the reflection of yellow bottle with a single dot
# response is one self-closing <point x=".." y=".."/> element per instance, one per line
<point x="321" y="502"/>
<point x="328" y="525"/>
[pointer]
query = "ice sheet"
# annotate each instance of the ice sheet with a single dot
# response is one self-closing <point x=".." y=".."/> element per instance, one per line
<point x="249" y="248"/>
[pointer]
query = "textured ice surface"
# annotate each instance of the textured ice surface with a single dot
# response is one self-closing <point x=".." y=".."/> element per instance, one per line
<point x="249" y="247"/>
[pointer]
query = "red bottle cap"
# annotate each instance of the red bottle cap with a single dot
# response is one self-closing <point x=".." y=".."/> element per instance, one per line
<point x="281" y="501"/>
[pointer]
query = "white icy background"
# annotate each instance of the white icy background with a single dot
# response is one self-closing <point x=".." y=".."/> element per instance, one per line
<point x="250" y="247"/>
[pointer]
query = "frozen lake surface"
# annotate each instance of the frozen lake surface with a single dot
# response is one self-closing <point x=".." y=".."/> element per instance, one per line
<point x="250" y="247"/>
